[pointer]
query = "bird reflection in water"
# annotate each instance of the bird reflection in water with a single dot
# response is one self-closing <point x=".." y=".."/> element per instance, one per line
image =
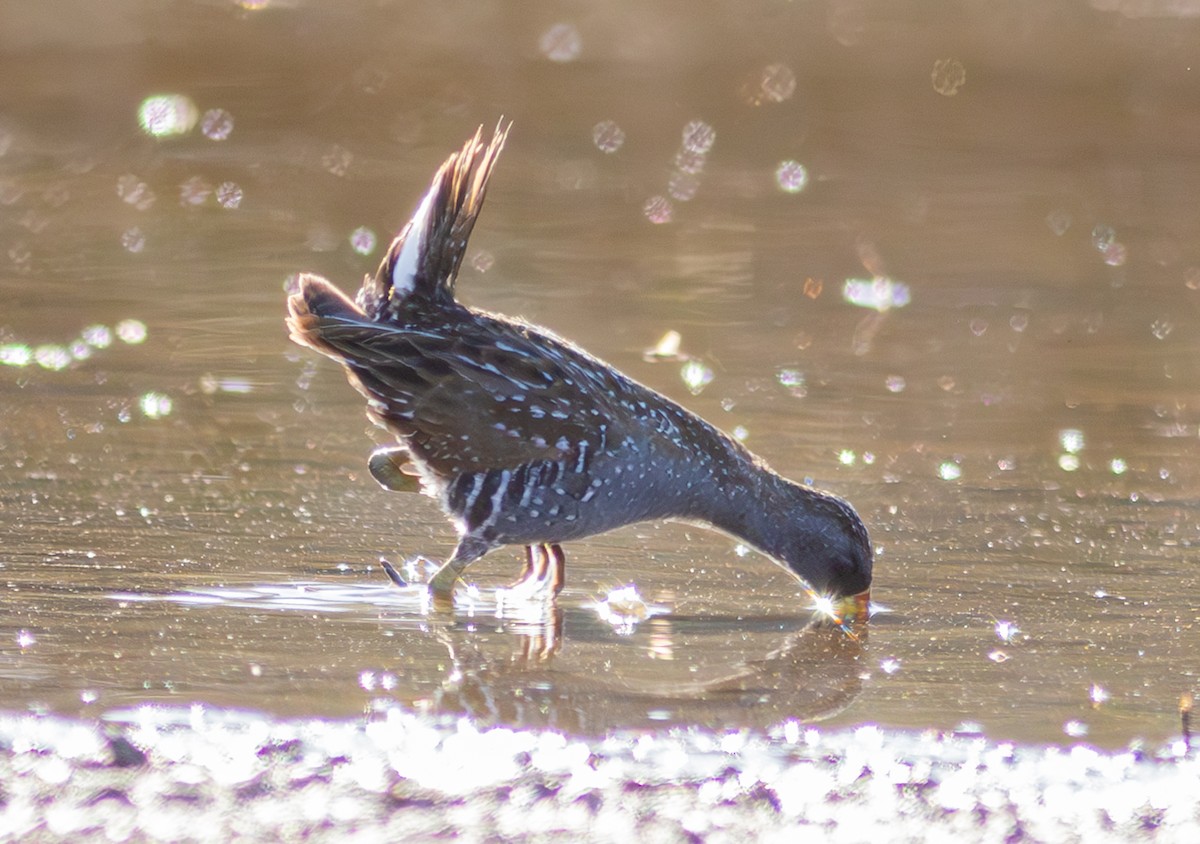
<point x="810" y="670"/>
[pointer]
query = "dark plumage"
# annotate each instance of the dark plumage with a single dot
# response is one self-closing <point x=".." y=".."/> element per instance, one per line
<point x="524" y="438"/>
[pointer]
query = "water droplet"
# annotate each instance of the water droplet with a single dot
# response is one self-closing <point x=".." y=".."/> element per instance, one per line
<point x="608" y="136"/>
<point x="791" y="176"/>
<point x="155" y="405"/>
<point x="216" y="124"/>
<point x="740" y="433"/>
<point x="683" y="186"/>
<point x="813" y="287"/>
<point x="1191" y="278"/>
<point x="667" y="348"/>
<point x="624" y="608"/>
<point x="337" y="160"/>
<point x="699" y="137"/>
<point x="20" y="255"/>
<point x="52" y="356"/>
<point x="163" y="115"/>
<point x="131" y="331"/>
<point x="998" y="656"/>
<point x="362" y="240"/>
<point x="777" y="83"/>
<point x="1018" y="322"/>
<point x="1103" y="236"/>
<point x="15" y="354"/>
<point x="483" y="261"/>
<point x="880" y="294"/>
<point x="133" y="240"/>
<point x="696" y="376"/>
<point x="1118" y="466"/>
<point x="561" y="43"/>
<point x="1068" y="462"/>
<point x="948" y="470"/>
<point x="1059" y="221"/>
<point x="97" y="336"/>
<point x="689" y="162"/>
<point x="793" y="381"/>
<point x="195" y="191"/>
<point x="978" y="326"/>
<point x="658" y="210"/>
<point x="229" y="195"/>
<point x="948" y="76"/>
<point x="1161" y="328"/>
<point x="25" y="639"/>
<point x="846" y="21"/>
<point x="1071" y="440"/>
<point x="1006" y="631"/>
<point x="1115" y="254"/>
<point x="1098" y="694"/>
<point x="1075" y="728"/>
<point x="137" y="193"/>
<point x="889" y="665"/>
<point x="895" y="383"/>
<point x="847" y="457"/>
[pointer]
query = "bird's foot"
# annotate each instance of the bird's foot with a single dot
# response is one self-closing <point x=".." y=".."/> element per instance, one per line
<point x="441" y="585"/>
<point x="541" y="579"/>
<point x="392" y="574"/>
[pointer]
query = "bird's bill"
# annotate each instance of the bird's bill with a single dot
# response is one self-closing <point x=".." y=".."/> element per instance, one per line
<point x="854" y="607"/>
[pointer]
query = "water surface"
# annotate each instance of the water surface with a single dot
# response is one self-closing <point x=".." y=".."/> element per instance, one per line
<point x="185" y="513"/>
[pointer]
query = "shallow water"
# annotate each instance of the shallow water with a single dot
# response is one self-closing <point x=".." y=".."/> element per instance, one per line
<point x="186" y="515"/>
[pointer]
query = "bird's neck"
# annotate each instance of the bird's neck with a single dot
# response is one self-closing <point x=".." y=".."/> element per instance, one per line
<point x="775" y="515"/>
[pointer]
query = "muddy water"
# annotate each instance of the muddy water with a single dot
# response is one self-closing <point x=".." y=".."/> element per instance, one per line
<point x="185" y="513"/>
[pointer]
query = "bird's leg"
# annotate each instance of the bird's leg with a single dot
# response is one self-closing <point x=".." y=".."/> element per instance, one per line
<point x="537" y="575"/>
<point x="547" y="569"/>
<point x="444" y="579"/>
<point x="527" y="569"/>
<point x="558" y="575"/>
<point x="543" y="575"/>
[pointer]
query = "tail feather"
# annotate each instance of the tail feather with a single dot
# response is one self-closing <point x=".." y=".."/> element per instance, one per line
<point x="422" y="263"/>
<point x="313" y="308"/>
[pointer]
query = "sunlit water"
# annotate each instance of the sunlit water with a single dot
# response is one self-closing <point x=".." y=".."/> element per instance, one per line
<point x="962" y="306"/>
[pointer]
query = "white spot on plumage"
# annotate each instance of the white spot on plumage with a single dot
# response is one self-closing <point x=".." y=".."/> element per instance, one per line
<point x="497" y="496"/>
